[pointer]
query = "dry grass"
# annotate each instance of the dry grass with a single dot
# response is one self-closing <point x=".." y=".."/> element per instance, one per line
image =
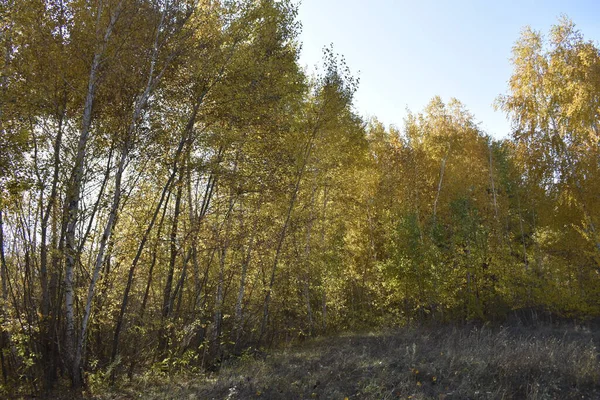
<point x="411" y="363"/>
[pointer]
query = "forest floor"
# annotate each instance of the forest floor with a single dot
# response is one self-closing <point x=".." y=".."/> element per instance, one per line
<point x="468" y="362"/>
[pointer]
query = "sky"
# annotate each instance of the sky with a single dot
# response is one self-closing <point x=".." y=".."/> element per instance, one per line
<point x="405" y="52"/>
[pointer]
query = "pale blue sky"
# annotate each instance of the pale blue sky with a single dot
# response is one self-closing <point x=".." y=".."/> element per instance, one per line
<point x="409" y="51"/>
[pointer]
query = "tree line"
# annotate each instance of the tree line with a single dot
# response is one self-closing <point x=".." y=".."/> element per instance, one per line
<point x="175" y="189"/>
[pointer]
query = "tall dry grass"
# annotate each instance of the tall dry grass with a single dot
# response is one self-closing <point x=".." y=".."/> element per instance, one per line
<point x="466" y="362"/>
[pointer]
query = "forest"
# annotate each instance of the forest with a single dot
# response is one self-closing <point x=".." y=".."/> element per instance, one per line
<point x="176" y="190"/>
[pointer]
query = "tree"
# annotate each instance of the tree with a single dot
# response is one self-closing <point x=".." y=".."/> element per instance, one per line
<point x="553" y="103"/>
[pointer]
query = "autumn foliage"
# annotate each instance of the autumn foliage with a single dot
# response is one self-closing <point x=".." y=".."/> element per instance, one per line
<point x="175" y="190"/>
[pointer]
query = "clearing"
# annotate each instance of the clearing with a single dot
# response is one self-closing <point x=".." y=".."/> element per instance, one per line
<point x="460" y="362"/>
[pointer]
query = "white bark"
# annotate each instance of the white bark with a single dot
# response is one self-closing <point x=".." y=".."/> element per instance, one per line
<point x="74" y="194"/>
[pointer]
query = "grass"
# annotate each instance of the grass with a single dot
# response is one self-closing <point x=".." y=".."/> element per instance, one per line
<point x="411" y="363"/>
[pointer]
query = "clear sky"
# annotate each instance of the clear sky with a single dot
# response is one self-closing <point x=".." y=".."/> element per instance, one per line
<point x="407" y="51"/>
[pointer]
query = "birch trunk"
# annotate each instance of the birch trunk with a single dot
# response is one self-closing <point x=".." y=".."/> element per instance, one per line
<point x="439" y="188"/>
<point x="73" y="198"/>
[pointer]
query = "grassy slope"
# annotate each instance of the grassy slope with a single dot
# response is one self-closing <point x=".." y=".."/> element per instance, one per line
<point x="424" y="363"/>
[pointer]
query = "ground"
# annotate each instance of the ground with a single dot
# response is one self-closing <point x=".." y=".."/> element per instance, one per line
<point x="451" y="362"/>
